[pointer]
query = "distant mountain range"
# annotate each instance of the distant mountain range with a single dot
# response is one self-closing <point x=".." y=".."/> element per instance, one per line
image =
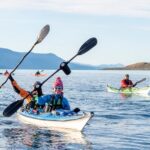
<point x="135" y="66"/>
<point x="9" y="59"/>
<point x="138" y="66"/>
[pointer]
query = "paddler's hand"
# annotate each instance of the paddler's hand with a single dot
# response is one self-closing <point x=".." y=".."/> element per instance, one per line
<point x="10" y="77"/>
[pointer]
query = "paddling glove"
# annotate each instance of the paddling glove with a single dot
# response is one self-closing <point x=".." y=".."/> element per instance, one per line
<point x="11" y="78"/>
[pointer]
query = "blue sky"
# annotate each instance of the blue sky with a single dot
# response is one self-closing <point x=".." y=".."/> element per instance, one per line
<point x="122" y="28"/>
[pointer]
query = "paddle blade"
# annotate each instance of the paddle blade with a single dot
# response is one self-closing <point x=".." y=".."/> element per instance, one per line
<point x="141" y="80"/>
<point x="12" y="108"/>
<point x="87" y="45"/>
<point x="43" y="33"/>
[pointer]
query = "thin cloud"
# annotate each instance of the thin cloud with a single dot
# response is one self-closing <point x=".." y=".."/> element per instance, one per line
<point x="132" y="8"/>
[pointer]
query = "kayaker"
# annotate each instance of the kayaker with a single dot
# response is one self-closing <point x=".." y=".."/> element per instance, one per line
<point x="37" y="73"/>
<point x="23" y="93"/>
<point x="55" y="101"/>
<point x="126" y="82"/>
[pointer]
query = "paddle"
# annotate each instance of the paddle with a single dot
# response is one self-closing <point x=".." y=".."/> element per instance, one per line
<point x="135" y="83"/>
<point x="13" y="107"/>
<point x="139" y="82"/>
<point x="41" y="36"/>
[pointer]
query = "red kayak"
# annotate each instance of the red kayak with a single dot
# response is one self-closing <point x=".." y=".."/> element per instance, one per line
<point x="39" y="75"/>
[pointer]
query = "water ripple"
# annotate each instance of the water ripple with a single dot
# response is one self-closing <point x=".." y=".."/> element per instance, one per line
<point x="120" y="122"/>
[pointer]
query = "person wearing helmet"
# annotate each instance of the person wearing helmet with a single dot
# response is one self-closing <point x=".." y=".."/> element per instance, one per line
<point x="37" y="90"/>
<point x="55" y="101"/>
<point x="126" y="82"/>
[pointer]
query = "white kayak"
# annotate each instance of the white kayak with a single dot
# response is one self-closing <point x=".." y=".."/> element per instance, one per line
<point x="47" y="120"/>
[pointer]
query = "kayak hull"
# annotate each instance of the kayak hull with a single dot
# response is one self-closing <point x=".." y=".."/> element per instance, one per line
<point x="46" y="120"/>
<point x="133" y="90"/>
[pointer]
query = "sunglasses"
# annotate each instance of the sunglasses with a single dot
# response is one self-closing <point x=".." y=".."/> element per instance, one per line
<point x="58" y="88"/>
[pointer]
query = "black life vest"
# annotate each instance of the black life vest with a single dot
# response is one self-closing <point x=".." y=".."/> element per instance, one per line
<point x="128" y="82"/>
<point x="56" y="102"/>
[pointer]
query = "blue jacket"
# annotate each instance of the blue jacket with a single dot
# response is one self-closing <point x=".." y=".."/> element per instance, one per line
<point x="47" y="99"/>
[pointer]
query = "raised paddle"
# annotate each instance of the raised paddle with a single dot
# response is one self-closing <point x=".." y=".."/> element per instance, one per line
<point x="139" y="82"/>
<point x="13" y="107"/>
<point x="41" y="36"/>
<point x="83" y="49"/>
<point x="135" y="83"/>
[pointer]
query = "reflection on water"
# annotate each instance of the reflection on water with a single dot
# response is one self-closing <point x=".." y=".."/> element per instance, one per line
<point x="125" y="95"/>
<point x="31" y="137"/>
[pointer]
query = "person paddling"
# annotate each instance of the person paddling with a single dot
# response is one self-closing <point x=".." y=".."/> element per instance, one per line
<point x="37" y="73"/>
<point x="23" y="93"/>
<point x="56" y="101"/>
<point x="126" y="82"/>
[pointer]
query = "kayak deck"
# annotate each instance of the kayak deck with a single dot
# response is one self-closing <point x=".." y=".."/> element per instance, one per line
<point x="48" y="116"/>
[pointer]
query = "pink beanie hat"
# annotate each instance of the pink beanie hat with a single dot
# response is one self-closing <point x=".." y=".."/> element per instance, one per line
<point x="58" y="82"/>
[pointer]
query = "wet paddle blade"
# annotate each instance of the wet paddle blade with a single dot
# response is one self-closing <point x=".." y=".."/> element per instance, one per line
<point x="12" y="108"/>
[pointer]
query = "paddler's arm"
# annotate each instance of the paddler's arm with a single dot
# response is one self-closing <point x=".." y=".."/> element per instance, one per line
<point x="65" y="104"/>
<point x="131" y="84"/>
<point x="14" y="84"/>
<point x="23" y="93"/>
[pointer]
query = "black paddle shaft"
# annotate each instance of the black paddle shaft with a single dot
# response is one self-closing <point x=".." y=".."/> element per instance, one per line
<point x="12" y="108"/>
<point x="42" y="35"/>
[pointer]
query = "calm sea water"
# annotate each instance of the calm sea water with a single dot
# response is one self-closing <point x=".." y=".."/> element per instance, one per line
<point x="119" y="123"/>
